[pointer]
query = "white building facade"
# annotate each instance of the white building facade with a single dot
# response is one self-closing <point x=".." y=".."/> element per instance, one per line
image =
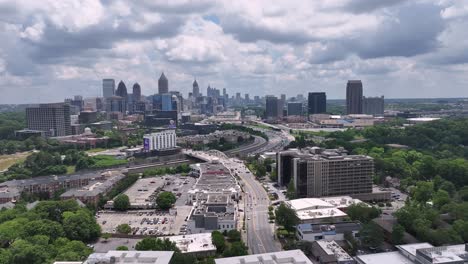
<point x="160" y="140"/>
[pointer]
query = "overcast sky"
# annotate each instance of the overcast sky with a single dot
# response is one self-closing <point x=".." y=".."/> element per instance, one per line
<point x="52" y="49"/>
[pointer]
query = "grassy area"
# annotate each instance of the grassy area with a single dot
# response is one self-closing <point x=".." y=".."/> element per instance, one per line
<point x="104" y="161"/>
<point x="95" y="150"/>
<point x="7" y="160"/>
<point x="70" y="169"/>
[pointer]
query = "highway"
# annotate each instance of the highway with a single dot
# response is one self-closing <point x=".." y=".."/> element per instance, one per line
<point x="258" y="143"/>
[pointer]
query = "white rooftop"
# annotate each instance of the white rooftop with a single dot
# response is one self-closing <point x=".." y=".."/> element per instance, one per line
<point x="308" y="204"/>
<point x="332" y="248"/>
<point x="194" y="242"/>
<point x="281" y="257"/>
<point x="411" y="248"/>
<point x="447" y="254"/>
<point x="320" y="213"/>
<point x="120" y="257"/>
<point x="423" y="119"/>
<point x="383" y="258"/>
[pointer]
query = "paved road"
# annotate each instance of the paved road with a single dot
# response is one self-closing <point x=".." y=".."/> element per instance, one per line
<point x="260" y="234"/>
<point x="258" y="142"/>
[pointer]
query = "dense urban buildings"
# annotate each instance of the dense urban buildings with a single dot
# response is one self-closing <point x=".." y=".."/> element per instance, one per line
<point x="53" y="119"/>
<point x="136" y="92"/>
<point x="318" y="172"/>
<point x="121" y="90"/>
<point x="294" y="109"/>
<point x="354" y="97"/>
<point x="373" y="105"/>
<point x="108" y="87"/>
<point x="195" y="89"/>
<point x="160" y="141"/>
<point x="317" y="103"/>
<point x="163" y="84"/>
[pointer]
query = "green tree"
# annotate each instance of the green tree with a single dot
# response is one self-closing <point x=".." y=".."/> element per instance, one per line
<point x="121" y="202"/>
<point x="25" y="252"/>
<point x="371" y="235"/>
<point x="165" y="200"/>
<point x="422" y="192"/>
<point x="44" y="227"/>
<point x="106" y="236"/>
<point x="362" y="212"/>
<point x="156" y="244"/>
<point x="291" y="192"/>
<point x="124" y="228"/>
<point x="234" y="235"/>
<point x="441" y="198"/>
<point x="237" y="248"/>
<point x="81" y="225"/>
<point x="398" y="233"/>
<point x="122" y="248"/>
<point x="286" y="217"/>
<point x="218" y="241"/>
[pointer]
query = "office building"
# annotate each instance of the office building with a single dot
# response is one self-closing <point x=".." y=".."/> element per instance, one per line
<point x="53" y="119"/>
<point x="167" y="119"/>
<point x="108" y="87"/>
<point x="320" y="172"/>
<point x="354" y="97"/>
<point x="373" y="105"/>
<point x="317" y="103"/>
<point x="163" y="84"/>
<point x="116" y="104"/>
<point x="195" y="89"/>
<point x="160" y="140"/>
<point x="294" y="109"/>
<point x="281" y="257"/>
<point x="198" y="245"/>
<point x="167" y="103"/>
<point x="136" y="93"/>
<point x="121" y="90"/>
<point x="327" y="231"/>
<point x="271" y="111"/>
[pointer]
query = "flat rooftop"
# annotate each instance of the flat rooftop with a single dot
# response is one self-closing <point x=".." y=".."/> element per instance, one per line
<point x="140" y="193"/>
<point x="320" y="213"/>
<point x="411" y="248"/>
<point x="194" y="243"/>
<point x="280" y="257"/>
<point x="215" y="178"/>
<point x="384" y="258"/>
<point x="332" y="248"/>
<point x="340" y="227"/>
<point x="117" y="257"/>
<point x="447" y="254"/>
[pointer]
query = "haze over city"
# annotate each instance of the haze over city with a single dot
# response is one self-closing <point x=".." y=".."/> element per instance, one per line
<point x="403" y="49"/>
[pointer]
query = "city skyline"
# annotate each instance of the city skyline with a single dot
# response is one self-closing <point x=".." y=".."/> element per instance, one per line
<point x="52" y="52"/>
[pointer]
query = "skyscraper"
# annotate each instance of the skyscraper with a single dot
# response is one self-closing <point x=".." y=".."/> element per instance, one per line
<point x="271" y="111"/>
<point x="108" y="87"/>
<point x="136" y="92"/>
<point x="196" y="89"/>
<point x="354" y="97"/>
<point x="294" y="109"/>
<point x="317" y="103"/>
<point x="373" y="105"/>
<point x="54" y="119"/>
<point x="121" y="90"/>
<point x="163" y="84"/>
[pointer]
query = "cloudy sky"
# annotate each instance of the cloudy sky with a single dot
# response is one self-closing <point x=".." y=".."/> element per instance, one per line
<point x="51" y="49"/>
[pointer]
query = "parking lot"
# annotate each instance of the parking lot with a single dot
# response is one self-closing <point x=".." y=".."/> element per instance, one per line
<point x="146" y="222"/>
<point x="152" y="222"/>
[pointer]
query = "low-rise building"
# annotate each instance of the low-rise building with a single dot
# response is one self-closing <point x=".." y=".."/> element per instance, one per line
<point x="218" y="212"/>
<point x="329" y="252"/>
<point x="199" y="245"/>
<point x="327" y="231"/>
<point x="91" y="193"/>
<point x="419" y="253"/>
<point x="319" y="210"/>
<point x="280" y="257"/>
<point x="117" y="257"/>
